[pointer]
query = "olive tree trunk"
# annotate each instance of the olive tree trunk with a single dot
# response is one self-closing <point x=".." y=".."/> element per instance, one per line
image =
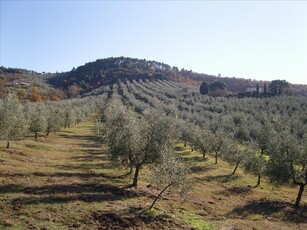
<point x="204" y="154"/>
<point x="299" y="196"/>
<point x="216" y="158"/>
<point x="234" y="171"/>
<point x="258" y="181"/>
<point x="153" y="203"/>
<point x="136" y="176"/>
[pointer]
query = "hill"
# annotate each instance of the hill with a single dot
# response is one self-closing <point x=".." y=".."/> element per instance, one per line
<point x="108" y="71"/>
<point x="28" y="85"/>
<point x="104" y="72"/>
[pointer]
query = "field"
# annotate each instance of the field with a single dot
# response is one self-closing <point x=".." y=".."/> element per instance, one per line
<point x="66" y="181"/>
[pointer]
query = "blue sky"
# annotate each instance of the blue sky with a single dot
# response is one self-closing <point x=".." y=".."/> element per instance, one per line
<point x="249" y="39"/>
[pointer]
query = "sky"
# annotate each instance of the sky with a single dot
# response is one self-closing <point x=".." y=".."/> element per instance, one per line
<point x="263" y="40"/>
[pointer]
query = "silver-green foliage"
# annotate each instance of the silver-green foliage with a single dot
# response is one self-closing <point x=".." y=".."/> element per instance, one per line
<point x="13" y="125"/>
<point x="288" y="158"/>
<point x="255" y="164"/>
<point x="236" y="153"/>
<point x="170" y="173"/>
<point x="136" y="140"/>
<point x="200" y="138"/>
<point x="37" y="119"/>
<point x="54" y="116"/>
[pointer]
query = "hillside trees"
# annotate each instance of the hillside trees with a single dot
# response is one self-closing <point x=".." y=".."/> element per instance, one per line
<point x="3" y="88"/>
<point x="216" y="88"/>
<point x="204" y="88"/>
<point x="217" y="85"/>
<point x="278" y="87"/>
<point x="13" y="125"/>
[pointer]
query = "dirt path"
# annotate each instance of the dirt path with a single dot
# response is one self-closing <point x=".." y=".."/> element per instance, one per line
<point x="65" y="181"/>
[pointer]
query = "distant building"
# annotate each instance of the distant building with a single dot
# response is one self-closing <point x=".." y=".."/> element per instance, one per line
<point x="253" y="89"/>
<point x="27" y="84"/>
<point x="19" y="83"/>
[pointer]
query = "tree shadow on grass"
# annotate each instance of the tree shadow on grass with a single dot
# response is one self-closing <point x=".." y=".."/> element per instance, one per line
<point x="199" y="169"/>
<point x="3" y="188"/>
<point x="81" y="175"/>
<point x="93" y="154"/>
<point x="11" y="188"/>
<point x="67" y="193"/>
<point x="65" y="131"/>
<point x="273" y="209"/>
<point x="191" y="159"/>
<point x="80" y="137"/>
<point x="58" y="188"/>
<point x="179" y="148"/>
<point x="95" y="144"/>
<point x="91" y="158"/>
<point x="96" y="152"/>
<point x="236" y="190"/>
<point x="221" y="178"/>
<point x="85" y="166"/>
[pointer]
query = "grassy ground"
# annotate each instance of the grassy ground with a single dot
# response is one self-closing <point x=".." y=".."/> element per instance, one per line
<point x="65" y="181"/>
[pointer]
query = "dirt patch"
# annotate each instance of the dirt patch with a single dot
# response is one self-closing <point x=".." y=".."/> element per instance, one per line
<point x="111" y="220"/>
<point x="237" y="190"/>
<point x="12" y="151"/>
<point x="272" y="209"/>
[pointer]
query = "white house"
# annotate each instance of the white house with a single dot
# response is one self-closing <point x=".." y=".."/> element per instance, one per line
<point x="253" y="89"/>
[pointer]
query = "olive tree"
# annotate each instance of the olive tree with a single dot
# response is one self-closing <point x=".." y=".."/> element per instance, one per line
<point x="287" y="163"/>
<point x="54" y="118"/>
<point x="37" y="119"/>
<point x="170" y="173"/>
<point x="70" y="118"/>
<point x="186" y="131"/>
<point x="136" y="140"/>
<point x="217" y="142"/>
<point x="255" y="165"/>
<point x="260" y="136"/>
<point x="13" y="125"/>
<point x="236" y="153"/>
<point x="200" y="139"/>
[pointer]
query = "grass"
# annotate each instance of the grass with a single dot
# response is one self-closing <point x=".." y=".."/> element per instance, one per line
<point x="194" y="220"/>
<point x="66" y="181"/>
<point x="3" y="155"/>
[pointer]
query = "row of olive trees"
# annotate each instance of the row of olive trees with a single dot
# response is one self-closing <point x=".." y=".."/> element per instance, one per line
<point x="276" y="152"/>
<point x="242" y="131"/>
<point x="139" y="140"/>
<point x="18" y="120"/>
